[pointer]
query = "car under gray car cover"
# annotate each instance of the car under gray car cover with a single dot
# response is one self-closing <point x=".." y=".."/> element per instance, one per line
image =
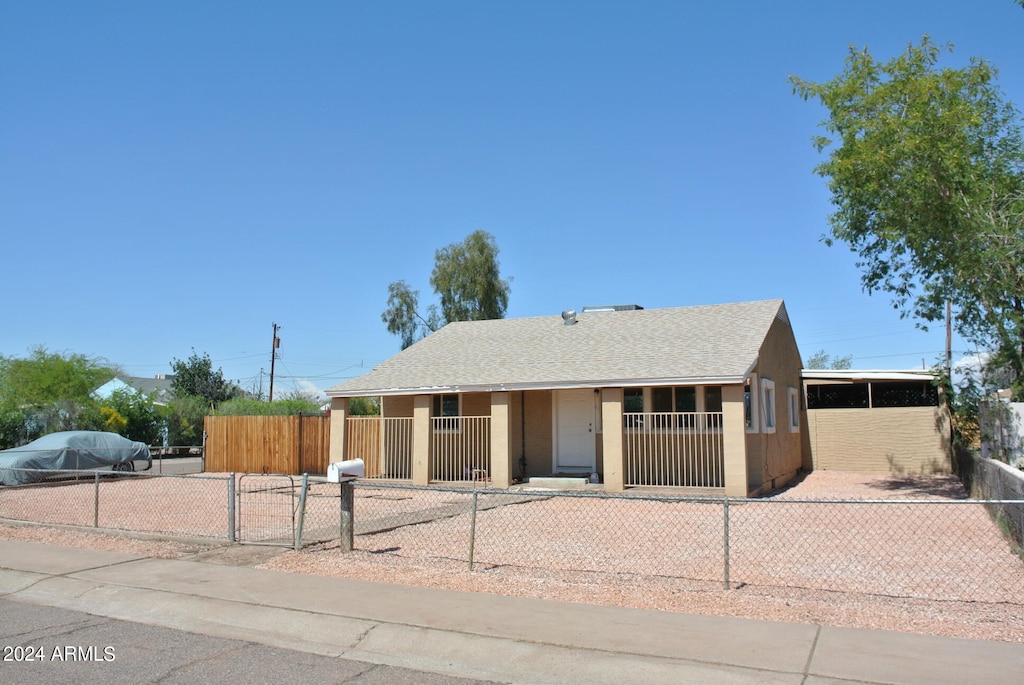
<point x="68" y="450"/>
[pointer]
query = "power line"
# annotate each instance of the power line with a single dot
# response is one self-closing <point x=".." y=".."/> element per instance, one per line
<point x="232" y="359"/>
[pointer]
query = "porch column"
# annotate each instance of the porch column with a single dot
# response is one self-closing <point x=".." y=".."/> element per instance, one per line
<point x="734" y="441"/>
<point x="339" y="414"/>
<point x="611" y="437"/>
<point x="421" y="440"/>
<point x="501" y="440"/>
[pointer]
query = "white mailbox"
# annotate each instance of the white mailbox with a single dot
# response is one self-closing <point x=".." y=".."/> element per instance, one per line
<point x="344" y="471"/>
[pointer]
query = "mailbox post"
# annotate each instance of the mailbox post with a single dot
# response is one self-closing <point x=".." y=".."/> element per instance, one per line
<point x="344" y="473"/>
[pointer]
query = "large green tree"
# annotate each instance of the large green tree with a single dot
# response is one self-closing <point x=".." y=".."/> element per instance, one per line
<point x="49" y="391"/>
<point x="185" y="416"/>
<point x="926" y="169"/>
<point x="823" y="360"/>
<point x="467" y="280"/>
<point x="133" y="415"/>
<point x="196" y="377"/>
<point x="402" y="317"/>
<point x="364" y="406"/>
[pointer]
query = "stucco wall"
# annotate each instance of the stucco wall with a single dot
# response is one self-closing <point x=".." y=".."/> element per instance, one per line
<point x="476" y="404"/>
<point x="993" y="480"/>
<point x="396" y="406"/>
<point x="1002" y="430"/>
<point x="775" y="458"/>
<point x="891" y="440"/>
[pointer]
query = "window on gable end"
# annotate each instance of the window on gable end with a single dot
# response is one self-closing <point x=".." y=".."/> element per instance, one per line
<point x="768" y="404"/>
<point x="794" y="410"/>
<point x="750" y="404"/>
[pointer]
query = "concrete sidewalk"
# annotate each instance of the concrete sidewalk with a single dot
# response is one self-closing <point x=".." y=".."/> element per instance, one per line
<point x="506" y="639"/>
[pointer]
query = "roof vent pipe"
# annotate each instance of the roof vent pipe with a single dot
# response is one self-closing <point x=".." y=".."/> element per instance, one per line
<point x="569" y="317"/>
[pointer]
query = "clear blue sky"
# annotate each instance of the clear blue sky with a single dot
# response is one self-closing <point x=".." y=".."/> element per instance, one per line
<point x="179" y="175"/>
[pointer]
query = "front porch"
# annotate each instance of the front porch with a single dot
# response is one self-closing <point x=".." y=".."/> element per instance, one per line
<point x="690" y="450"/>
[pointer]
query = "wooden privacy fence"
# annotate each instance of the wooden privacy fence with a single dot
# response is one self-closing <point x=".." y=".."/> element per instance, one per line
<point x="289" y="445"/>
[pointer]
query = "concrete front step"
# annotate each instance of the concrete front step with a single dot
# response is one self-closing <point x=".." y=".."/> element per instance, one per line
<point x="557" y="482"/>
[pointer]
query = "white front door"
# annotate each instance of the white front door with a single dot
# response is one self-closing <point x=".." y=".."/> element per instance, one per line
<point x="575" y="421"/>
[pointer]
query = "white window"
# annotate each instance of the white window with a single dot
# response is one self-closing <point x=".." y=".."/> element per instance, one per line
<point x="794" y="410"/>
<point x="768" y="405"/>
<point x="750" y="403"/>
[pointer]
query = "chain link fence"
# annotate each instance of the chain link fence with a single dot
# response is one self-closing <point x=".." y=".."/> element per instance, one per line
<point x="928" y="549"/>
<point x="176" y="505"/>
<point x="935" y="549"/>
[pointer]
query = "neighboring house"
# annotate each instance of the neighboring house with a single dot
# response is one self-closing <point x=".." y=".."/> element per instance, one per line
<point x="157" y="389"/>
<point x="891" y="422"/>
<point x="693" y="397"/>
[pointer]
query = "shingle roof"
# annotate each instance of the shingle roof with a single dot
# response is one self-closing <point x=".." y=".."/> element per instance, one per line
<point x="713" y="343"/>
<point x="157" y="389"/>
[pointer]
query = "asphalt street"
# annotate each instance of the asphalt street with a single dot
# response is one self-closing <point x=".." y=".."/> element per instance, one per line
<point x="44" y="645"/>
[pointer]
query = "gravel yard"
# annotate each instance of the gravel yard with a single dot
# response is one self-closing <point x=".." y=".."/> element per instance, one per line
<point x="789" y="560"/>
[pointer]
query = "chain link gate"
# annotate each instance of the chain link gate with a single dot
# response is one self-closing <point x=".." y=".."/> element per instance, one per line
<point x="266" y="511"/>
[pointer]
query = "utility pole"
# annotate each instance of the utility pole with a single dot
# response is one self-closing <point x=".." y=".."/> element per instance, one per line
<point x="949" y="339"/>
<point x="273" y="357"/>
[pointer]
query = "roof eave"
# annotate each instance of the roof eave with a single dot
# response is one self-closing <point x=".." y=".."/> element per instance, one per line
<point x="515" y="387"/>
<point x="854" y="375"/>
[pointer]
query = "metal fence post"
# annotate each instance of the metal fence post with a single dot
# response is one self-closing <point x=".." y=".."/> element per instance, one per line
<point x="96" y="499"/>
<point x="347" y="501"/>
<point x="302" y="509"/>
<point x="725" y="509"/>
<point x="472" y="531"/>
<point x="231" y="507"/>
